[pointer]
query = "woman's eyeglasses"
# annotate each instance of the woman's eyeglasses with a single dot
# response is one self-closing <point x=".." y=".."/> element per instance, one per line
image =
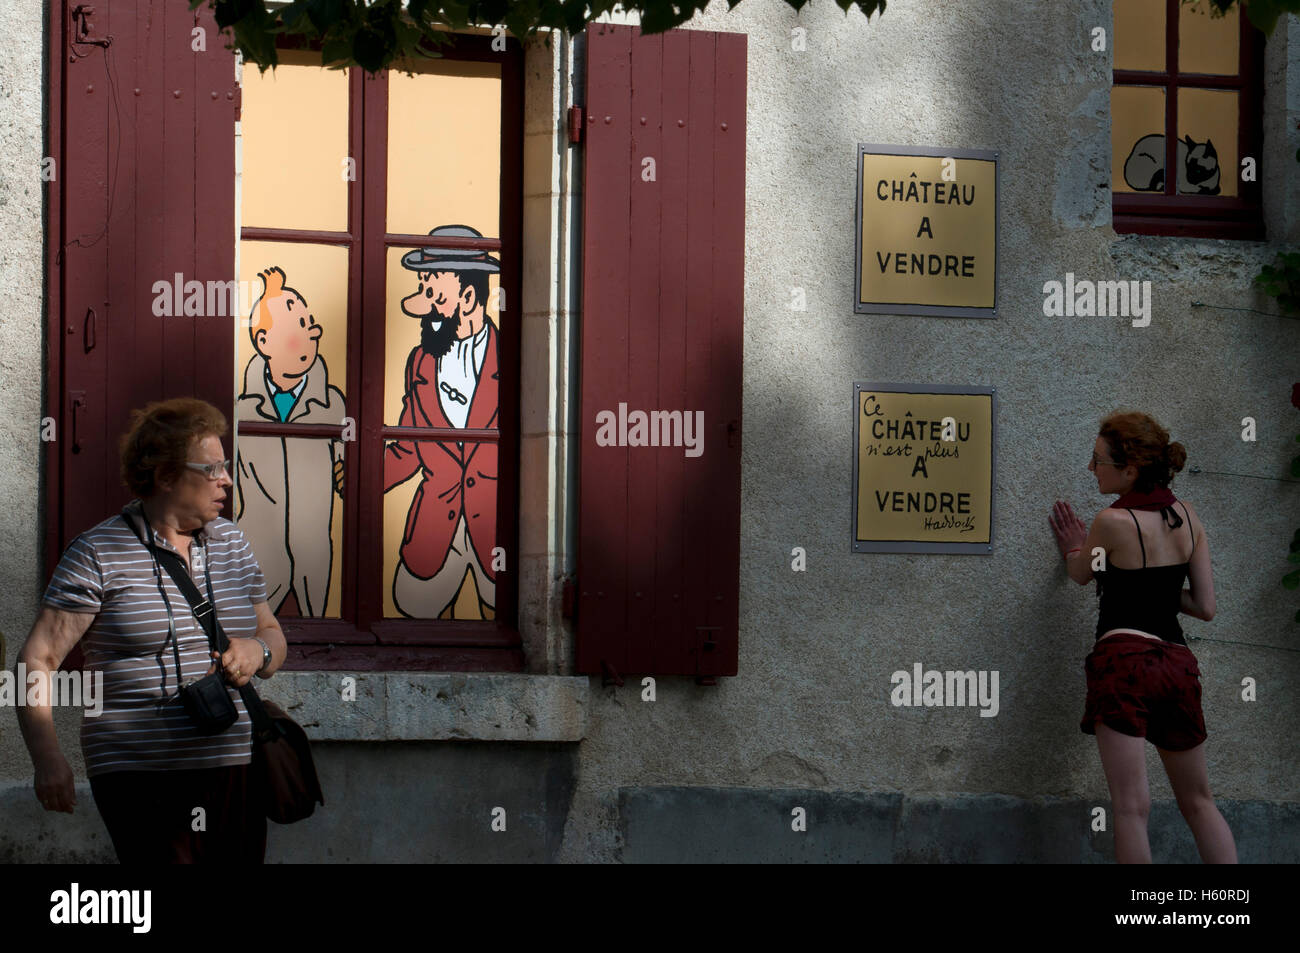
<point x="1096" y="462"/>
<point x="213" y="471"/>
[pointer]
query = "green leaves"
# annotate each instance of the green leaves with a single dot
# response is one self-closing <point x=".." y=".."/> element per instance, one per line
<point x="379" y="34"/>
<point x="376" y="34"/>
<point x="1281" y="280"/>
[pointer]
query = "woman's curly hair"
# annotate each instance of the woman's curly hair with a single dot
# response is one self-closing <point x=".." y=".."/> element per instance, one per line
<point x="157" y="446"/>
<point x="1137" y="439"/>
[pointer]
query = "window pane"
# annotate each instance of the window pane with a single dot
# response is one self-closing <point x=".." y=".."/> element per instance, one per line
<point x="1137" y="138"/>
<point x="294" y="134"/>
<point x="444" y="146"/>
<point x="1209" y="162"/>
<point x="288" y="502"/>
<point x="1208" y="44"/>
<point x="305" y="288"/>
<point x="457" y="392"/>
<point x="440" y="530"/>
<point x="1140" y="34"/>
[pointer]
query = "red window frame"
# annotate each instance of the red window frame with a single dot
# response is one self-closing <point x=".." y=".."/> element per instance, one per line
<point x="362" y="639"/>
<point x="1203" y="216"/>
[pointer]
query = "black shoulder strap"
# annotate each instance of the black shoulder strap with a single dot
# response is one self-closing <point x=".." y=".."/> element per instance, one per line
<point x="1140" y="543"/>
<point x="206" y="613"/>
<point x="1189" y="524"/>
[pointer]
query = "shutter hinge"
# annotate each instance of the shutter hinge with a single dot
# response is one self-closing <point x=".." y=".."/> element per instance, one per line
<point x="575" y="124"/>
<point x="77" y="402"/>
<point x="609" y="675"/>
<point x="708" y="643"/>
<point x="81" y="28"/>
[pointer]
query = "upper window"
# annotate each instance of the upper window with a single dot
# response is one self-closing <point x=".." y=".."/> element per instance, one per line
<point x="1186" y="96"/>
<point x="376" y="373"/>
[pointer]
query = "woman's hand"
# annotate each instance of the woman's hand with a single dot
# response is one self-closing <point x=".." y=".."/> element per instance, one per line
<point x="1069" y="529"/>
<point x="240" y="661"/>
<point x="54" y="783"/>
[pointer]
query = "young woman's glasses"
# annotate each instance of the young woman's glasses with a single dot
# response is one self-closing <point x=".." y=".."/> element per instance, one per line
<point x="215" y="471"/>
<point x="1096" y="462"/>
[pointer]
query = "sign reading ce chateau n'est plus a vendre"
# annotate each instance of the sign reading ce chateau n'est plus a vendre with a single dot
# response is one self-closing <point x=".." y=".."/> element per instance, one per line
<point x="924" y="456"/>
<point x="927" y="229"/>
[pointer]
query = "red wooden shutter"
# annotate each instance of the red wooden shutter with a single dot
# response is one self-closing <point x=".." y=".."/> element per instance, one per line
<point x="662" y="321"/>
<point x="144" y="190"/>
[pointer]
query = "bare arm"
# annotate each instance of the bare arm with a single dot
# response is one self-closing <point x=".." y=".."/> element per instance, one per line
<point x="1198" y="601"/>
<point x="244" y="655"/>
<point x="269" y="631"/>
<point x="52" y="637"/>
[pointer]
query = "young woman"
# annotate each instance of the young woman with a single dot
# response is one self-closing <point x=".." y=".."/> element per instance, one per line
<point x="1143" y="681"/>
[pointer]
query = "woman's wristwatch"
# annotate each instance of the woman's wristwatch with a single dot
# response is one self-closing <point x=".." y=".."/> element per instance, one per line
<point x="266" y="656"/>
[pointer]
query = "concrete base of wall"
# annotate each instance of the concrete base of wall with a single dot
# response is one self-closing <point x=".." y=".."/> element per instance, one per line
<point x="431" y="802"/>
<point x="746" y="825"/>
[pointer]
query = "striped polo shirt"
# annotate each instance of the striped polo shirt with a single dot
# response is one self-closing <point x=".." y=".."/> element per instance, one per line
<point x="108" y="571"/>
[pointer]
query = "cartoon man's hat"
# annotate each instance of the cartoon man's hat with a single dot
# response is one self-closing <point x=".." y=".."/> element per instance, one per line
<point x="436" y="258"/>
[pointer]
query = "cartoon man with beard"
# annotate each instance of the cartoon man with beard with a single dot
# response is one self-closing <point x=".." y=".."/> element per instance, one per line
<point x="451" y="383"/>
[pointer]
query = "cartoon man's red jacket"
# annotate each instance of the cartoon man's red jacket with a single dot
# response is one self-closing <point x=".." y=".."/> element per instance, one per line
<point x="451" y="477"/>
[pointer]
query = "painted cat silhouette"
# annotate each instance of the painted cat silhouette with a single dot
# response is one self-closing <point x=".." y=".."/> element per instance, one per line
<point x="1198" y="166"/>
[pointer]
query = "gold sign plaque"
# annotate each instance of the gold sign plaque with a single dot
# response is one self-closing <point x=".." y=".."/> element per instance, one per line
<point x="923" y="464"/>
<point x="927" y="225"/>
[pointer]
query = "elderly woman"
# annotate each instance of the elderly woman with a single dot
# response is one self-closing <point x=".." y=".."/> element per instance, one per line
<point x="149" y="767"/>
<point x="1143" y="680"/>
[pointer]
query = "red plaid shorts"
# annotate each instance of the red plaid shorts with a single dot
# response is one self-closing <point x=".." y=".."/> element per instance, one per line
<point x="1146" y="688"/>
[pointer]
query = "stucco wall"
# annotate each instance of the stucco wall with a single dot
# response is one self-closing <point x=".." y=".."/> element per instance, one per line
<point x="22" y="334"/>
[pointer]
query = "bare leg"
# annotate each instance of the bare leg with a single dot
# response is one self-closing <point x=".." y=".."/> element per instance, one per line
<point x="1123" y="758"/>
<point x="1191" y="783"/>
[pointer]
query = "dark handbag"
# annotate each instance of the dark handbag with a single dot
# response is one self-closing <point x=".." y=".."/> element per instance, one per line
<point x="283" y="768"/>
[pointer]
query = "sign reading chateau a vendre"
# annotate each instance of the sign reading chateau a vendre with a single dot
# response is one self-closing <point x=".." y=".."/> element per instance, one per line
<point x="927" y="228"/>
<point x="924" y="456"/>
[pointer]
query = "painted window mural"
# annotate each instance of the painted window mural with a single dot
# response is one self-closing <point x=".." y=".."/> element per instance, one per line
<point x="440" y="496"/>
<point x="286" y="487"/>
<point x="442" y="335"/>
<point x="1207" y="118"/>
<point x="1184" y="115"/>
<point x="302" y="409"/>
<point x="291" y="352"/>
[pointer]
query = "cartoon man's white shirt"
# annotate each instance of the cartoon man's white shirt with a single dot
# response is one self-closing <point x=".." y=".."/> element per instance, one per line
<point x="458" y="378"/>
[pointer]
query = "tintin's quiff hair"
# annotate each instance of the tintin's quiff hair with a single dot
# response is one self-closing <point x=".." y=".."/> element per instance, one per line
<point x="273" y="286"/>
<point x="1136" y="439"/>
<point x="157" y="446"/>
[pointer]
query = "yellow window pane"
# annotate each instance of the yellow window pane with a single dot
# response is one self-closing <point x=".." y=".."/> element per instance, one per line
<point x="300" y="557"/>
<point x="1140" y="34"/>
<point x="294" y="132"/>
<point x="1209" y="162"/>
<point x="440" y="530"/>
<point x="444" y="146"/>
<point x="1208" y="44"/>
<point x="293" y="318"/>
<point x="426" y="306"/>
<point x="1137" y="122"/>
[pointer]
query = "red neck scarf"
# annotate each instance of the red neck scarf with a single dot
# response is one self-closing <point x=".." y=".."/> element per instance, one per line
<point x="1161" y="498"/>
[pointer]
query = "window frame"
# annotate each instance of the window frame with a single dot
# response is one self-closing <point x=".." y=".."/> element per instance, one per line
<point x="363" y="639"/>
<point x="1200" y="216"/>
